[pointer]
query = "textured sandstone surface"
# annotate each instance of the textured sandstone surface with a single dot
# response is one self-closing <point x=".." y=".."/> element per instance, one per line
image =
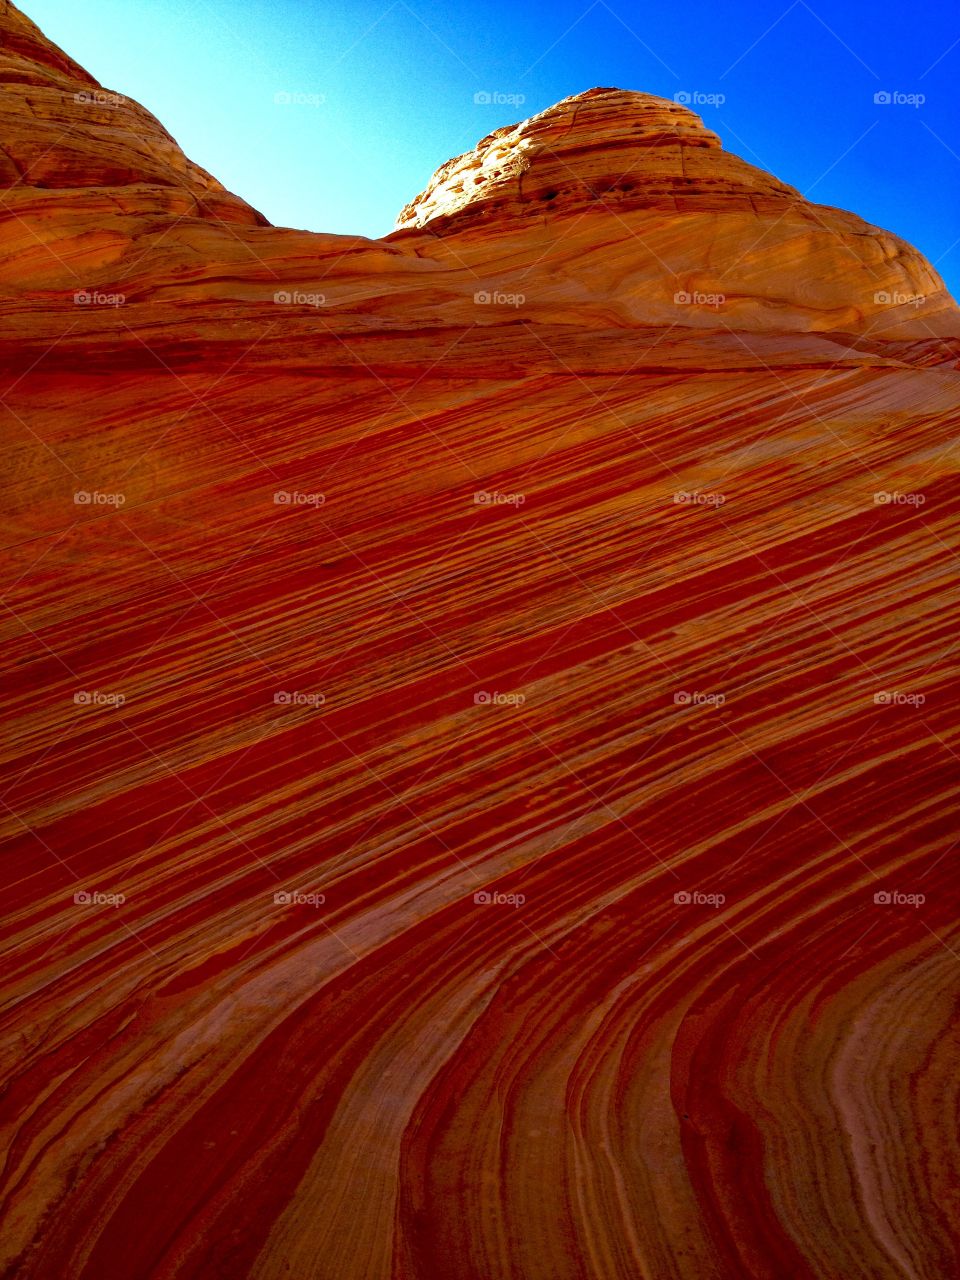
<point x="626" y="150"/>
<point x="446" y="797"/>
<point x="60" y="129"/>
<point x="669" y="211"/>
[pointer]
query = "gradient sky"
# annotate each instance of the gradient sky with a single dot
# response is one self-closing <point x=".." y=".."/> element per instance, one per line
<point x="387" y="89"/>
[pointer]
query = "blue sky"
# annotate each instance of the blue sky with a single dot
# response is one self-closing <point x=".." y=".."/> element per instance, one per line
<point x="382" y="91"/>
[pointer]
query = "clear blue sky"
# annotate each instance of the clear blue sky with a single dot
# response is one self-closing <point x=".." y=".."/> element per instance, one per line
<point x="386" y="91"/>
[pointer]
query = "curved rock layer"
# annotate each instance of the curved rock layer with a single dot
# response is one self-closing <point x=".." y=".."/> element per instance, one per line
<point x="61" y="130"/>
<point x="482" y="784"/>
<point x="676" y="228"/>
<point x="621" y="149"/>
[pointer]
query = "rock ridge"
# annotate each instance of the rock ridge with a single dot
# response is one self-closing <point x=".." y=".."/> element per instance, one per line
<point x="632" y="202"/>
<point x="618" y="146"/>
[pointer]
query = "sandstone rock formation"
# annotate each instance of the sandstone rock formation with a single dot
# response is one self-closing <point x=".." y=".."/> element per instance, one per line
<point x="481" y="792"/>
<point x="62" y="130"/>
<point x="632" y="202"/>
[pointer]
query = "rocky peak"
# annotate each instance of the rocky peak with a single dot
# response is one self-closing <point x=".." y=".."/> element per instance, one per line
<point x="629" y="208"/>
<point x="62" y="130"/>
<point x="27" y="56"/>
<point x="609" y="145"/>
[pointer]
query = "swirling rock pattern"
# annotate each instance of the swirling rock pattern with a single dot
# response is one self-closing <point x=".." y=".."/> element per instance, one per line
<point x="481" y="792"/>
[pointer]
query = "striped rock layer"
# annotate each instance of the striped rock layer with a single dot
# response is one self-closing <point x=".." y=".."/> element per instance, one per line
<point x="480" y="792"/>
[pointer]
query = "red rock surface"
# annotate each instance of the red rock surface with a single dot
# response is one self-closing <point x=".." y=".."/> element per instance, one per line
<point x="256" y="1020"/>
